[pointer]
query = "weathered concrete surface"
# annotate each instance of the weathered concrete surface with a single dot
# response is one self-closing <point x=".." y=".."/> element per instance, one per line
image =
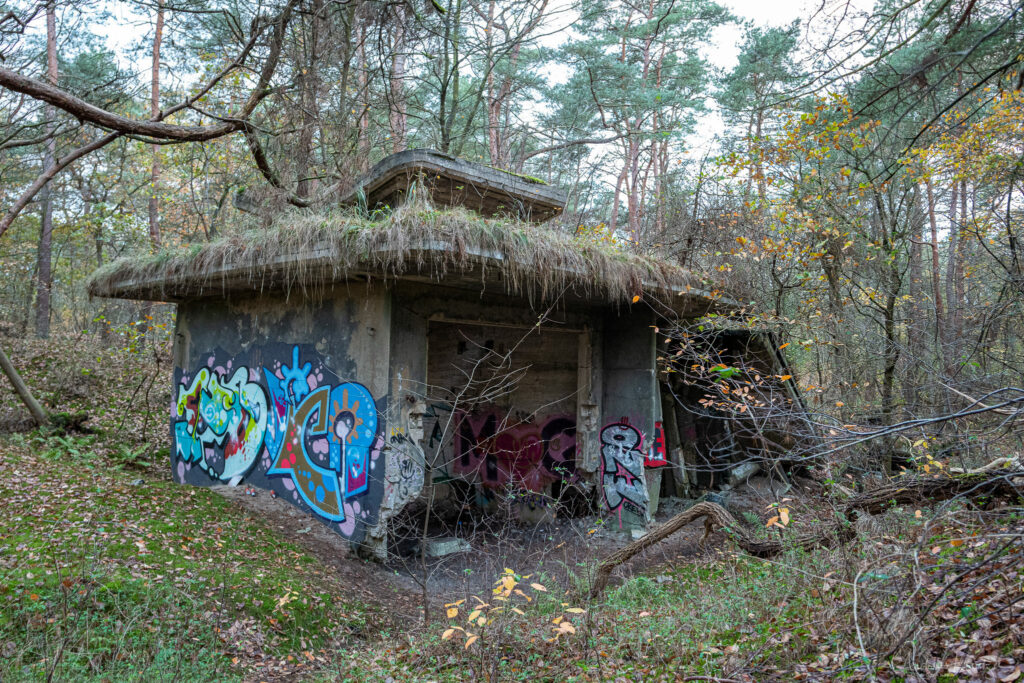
<point x="442" y="547"/>
<point x="304" y="392"/>
<point x="653" y="480"/>
<point x="287" y="395"/>
<point x="742" y="472"/>
<point x="455" y="182"/>
<point x="630" y="411"/>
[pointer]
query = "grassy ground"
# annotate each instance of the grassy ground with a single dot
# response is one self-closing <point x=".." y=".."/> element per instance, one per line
<point x="952" y="613"/>
<point x="110" y="575"/>
<point x="108" y="571"/>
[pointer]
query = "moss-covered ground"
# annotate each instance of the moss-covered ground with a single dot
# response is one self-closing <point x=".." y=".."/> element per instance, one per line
<point x="110" y="572"/>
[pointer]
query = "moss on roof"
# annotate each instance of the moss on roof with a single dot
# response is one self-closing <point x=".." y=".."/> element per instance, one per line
<point x="307" y="250"/>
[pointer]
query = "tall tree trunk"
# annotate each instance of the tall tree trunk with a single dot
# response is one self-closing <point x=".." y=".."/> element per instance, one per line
<point x="363" y="103"/>
<point x="309" y="82"/>
<point x="891" y="356"/>
<point x="44" y="275"/>
<point x="146" y="310"/>
<point x="399" y="114"/>
<point x="493" y="103"/>
<point x="762" y="190"/>
<point x="154" y="111"/>
<point x="656" y="172"/>
<point x="613" y="222"/>
<point x="749" y="182"/>
<point x="960" y="257"/>
<point x="940" y="315"/>
<point x="915" y="320"/>
<point x="633" y="188"/>
<point x="952" y="246"/>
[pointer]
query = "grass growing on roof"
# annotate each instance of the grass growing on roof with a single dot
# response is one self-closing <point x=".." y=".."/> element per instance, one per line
<point x="307" y="250"/>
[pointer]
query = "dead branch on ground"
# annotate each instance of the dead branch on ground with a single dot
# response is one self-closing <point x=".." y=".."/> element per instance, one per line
<point x="906" y="490"/>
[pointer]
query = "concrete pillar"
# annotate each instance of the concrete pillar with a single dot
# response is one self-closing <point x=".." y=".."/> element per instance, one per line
<point x="629" y="409"/>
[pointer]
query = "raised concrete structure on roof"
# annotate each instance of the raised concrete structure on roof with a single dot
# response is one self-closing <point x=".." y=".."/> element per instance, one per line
<point x="456" y="182"/>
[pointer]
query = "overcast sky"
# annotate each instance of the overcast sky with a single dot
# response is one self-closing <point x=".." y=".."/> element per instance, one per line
<point x="128" y="29"/>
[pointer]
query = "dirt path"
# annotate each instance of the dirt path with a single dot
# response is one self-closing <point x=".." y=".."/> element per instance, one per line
<point x="558" y="553"/>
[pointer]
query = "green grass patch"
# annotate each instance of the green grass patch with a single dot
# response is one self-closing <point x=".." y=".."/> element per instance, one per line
<point x="103" y="577"/>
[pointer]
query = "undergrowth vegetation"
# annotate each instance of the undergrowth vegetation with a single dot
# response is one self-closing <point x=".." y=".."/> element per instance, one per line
<point x="728" y="616"/>
<point x="108" y="571"/>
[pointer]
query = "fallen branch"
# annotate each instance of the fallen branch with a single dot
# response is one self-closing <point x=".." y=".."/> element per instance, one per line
<point x="24" y="393"/>
<point x="917" y="490"/>
<point x="924" y="490"/>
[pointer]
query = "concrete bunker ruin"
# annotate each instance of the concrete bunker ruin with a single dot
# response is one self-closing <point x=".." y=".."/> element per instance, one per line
<point x="354" y="367"/>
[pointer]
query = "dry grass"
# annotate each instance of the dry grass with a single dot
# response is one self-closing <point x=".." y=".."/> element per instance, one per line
<point x="306" y="250"/>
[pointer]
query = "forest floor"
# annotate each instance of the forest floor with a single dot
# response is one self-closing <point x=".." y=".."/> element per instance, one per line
<point x="109" y="571"/>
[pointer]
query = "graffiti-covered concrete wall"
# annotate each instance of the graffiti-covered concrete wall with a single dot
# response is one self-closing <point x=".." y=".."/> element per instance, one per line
<point x="629" y="408"/>
<point x="350" y="404"/>
<point x="291" y="397"/>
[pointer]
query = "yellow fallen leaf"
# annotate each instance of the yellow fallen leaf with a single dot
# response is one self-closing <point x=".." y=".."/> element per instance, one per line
<point x="473" y="615"/>
<point x="772" y="522"/>
<point x="470" y="641"/>
<point x="784" y="516"/>
<point x="453" y="612"/>
<point x="481" y="621"/>
<point x="448" y="633"/>
<point x="538" y="587"/>
<point x="576" y="610"/>
<point x="567" y="627"/>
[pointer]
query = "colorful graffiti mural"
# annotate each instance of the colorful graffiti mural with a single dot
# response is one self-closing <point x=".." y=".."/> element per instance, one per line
<point x="622" y="458"/>
<point x="527" y="455"/>
<point x="286" y="423"/>
<point x="658" y="454"/>
<point x="220" y="424"/>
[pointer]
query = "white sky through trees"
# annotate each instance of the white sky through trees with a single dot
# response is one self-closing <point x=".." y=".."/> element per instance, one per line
<point x="128" y="29"/>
